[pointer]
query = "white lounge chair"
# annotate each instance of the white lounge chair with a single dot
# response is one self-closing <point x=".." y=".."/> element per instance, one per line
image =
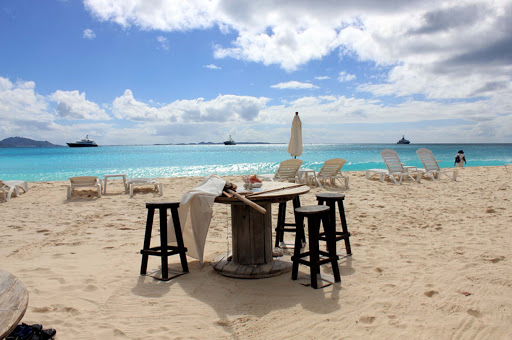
<point x="132" y="182"/>
<point x="8" y="187"/>
<point x="287" y="171"/>
<point x="395" y="169"/>
<point x="431" y="166"/>
<point x="372" y="172"/>
<point x="331" y="170"/>
<point x="83" y="182"/>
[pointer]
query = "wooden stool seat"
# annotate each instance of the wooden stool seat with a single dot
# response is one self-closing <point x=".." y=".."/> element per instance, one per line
<point x="164" y="250"/>
<point x="330" y="199"/>
<point x="314" y="214"/>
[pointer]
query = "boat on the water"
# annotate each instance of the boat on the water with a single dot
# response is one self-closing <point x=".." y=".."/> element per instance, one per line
<point x="403" y="141"/>
<point x="83" y="143"/>
<point x="230" y="141"/>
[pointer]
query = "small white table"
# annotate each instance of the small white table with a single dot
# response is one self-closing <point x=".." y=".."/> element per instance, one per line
<point x="114" y="175"/>
<point x="306" y="173"/>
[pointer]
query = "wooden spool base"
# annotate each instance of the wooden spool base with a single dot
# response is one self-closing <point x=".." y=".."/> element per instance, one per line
<point x="225" y="266"/>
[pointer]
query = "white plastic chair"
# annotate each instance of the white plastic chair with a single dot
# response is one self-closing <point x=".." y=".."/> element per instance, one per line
<point x="83" y="182"/>
<point x="431" y="166"/>
<point x="8" y="187"/>
<point x="331" y="170"/>
<point x="287" y="171"/>
<point x="396" y="168"/>
<point x="132" y="182"/>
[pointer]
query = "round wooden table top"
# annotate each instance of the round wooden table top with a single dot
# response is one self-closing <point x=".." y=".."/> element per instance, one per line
<point x="13" y="302"/>
<point x="269" y="191"/>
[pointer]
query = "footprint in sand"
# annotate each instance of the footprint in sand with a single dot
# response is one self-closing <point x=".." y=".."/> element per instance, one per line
<point x="431" y="293"/>
<point x="90" y="288"/>
<point x="474" y="312"/>
<point x="367" y="319"/>
<point x="497" y="259"/>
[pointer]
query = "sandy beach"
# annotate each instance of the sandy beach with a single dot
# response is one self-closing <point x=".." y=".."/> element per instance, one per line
<point x="430" y="261"/>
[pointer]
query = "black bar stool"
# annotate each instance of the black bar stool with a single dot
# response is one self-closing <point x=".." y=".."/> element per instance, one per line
<point x="330" y="200"/>
<point x="164" y="250"/>
<point x="282" y="225"/>
<point x="315" y="214"/>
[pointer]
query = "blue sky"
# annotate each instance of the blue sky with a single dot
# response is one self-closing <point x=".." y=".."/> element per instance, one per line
<point x="148" y="71"/>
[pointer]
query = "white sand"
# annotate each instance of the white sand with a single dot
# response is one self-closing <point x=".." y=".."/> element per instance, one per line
<point x="417" y="248"/>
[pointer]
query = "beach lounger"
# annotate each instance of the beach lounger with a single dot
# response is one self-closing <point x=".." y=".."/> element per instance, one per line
<point x="83" y="182"/>
<point x="132" y="182"/>
<point x="372" y="172"/>
<point x="331" y="170"/>
<point x="8" y="187"/>
<point x="395" y="168"/>
<point x="288" y="171"/>
<point x="431" y="166"/>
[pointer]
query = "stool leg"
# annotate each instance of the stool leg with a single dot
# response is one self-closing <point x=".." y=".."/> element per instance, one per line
<point x="314" y="257"/>
<point x="147" y="240"/>
<point x="296" y="204"/>
<point x="332" y="223"/>
<point x="163" y="243"/>
<point x="344" y="227"/>
<point x="281" y="216"/>
<point x="179" y="238"/>
<point x="331" y="247"/>
<point x="299" y="235"/>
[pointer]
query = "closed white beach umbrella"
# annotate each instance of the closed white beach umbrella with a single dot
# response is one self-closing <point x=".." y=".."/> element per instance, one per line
<point x="295" y="144"/>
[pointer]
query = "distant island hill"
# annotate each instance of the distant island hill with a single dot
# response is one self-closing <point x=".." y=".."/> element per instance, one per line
<point x="21" y="142"/>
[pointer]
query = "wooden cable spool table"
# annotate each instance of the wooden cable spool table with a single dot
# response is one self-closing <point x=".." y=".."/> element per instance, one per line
<point x="13" y="302"/>
<point x="252" y="233"/>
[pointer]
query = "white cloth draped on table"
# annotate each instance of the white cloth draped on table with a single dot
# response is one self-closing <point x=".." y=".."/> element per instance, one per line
<point x="196" y="211"/>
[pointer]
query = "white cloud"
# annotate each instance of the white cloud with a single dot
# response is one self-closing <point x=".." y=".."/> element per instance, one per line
<point x="455" y="41"/>
<point x="159" y="15"/>
<point x="20" y="103"/>
<point x="24" y="112"/>
<point x="163" y="42"/>
<point x="126" y="107"/>
<point x="344" y="76"/>
<point x="88" y="34"/>
<point x="322" y="77"/>
<point x="221" y="109"/>
<point x="294" y="85"/>
<point x="72" y="105"/>
<point x="213" y="67"/>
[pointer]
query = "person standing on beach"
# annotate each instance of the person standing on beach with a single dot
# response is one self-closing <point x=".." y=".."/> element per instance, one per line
<point x="460" y="159"/>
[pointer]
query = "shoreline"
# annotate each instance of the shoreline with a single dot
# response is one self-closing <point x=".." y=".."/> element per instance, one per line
<point x="417" y="248"/>
<point x="504" y="166"/>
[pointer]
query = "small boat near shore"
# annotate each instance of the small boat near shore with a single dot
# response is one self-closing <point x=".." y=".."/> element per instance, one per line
<point x="229" y="141"/>
<point x="83" y="143"/>
<point x="403" y="141"/>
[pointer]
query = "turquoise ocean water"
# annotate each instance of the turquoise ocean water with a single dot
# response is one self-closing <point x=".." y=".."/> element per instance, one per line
<point x="56" y="164"/>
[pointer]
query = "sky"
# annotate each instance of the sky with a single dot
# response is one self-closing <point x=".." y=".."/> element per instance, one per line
<point x="174" y="71"/>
